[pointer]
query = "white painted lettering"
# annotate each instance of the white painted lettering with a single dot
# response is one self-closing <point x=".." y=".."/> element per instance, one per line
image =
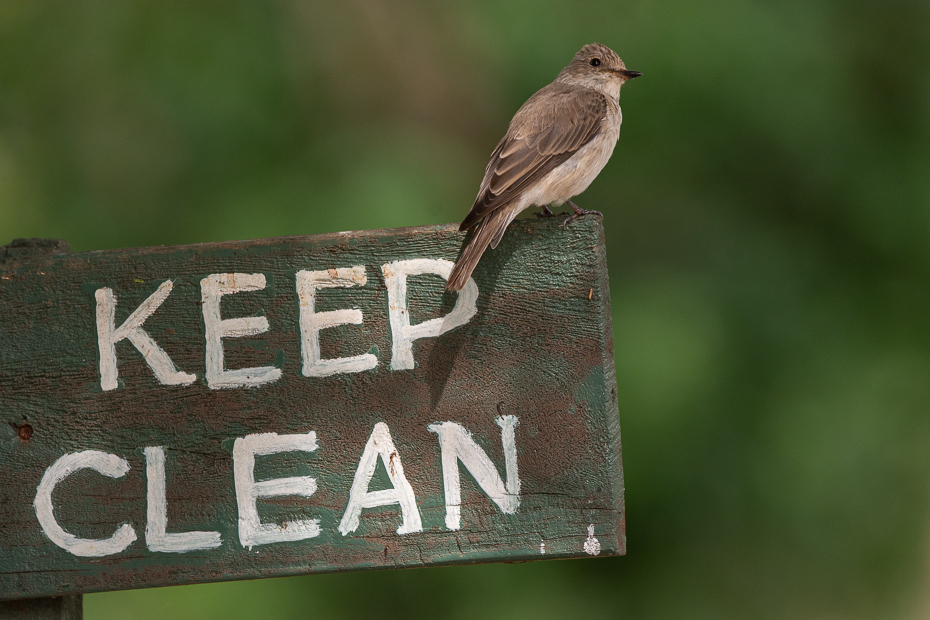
<point x="157" y="513"/>
<point x="213" y="288"/>
<point x="108" y="335"/>
<point x="380" y="445"/>
<point x="107" y="464"/>
<point x="312" y="322"/>
<point x="402" y="332"/>
<point x="251" y="530"/>
<point x="456" y="444"/>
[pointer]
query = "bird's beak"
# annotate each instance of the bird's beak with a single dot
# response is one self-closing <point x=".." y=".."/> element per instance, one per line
<point x="628" y="75"/>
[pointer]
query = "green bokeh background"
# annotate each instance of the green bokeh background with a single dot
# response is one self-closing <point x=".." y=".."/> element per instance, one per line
<point x="768" y="221"/>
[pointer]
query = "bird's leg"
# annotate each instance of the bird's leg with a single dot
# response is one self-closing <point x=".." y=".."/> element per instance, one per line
<point x="578" y="212"/>
<point x="545" y="212"/>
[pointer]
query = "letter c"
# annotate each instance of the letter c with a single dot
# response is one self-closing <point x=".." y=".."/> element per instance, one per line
<point x="107" y="464"/>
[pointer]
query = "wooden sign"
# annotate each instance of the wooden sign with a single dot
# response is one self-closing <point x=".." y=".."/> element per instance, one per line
<point x="304" y="404"/>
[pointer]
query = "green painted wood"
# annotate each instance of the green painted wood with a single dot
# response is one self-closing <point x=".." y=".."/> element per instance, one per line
<point x="539" y="348"/>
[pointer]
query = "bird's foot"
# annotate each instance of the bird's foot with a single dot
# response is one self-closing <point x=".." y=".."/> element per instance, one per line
<point x="578" y="213"/>
<point x="546" y="212"/>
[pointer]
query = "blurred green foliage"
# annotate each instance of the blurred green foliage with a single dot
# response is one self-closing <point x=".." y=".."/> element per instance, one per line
<point x="768" y="219"/>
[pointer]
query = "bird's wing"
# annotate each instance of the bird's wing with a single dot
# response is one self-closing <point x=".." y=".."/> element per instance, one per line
<point x="549" y="128"/>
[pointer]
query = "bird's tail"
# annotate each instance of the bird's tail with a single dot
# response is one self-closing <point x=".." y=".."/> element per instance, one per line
<point x="489" y="229"/>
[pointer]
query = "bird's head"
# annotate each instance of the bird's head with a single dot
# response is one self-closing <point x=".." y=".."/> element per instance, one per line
<point x="597" y="66"/>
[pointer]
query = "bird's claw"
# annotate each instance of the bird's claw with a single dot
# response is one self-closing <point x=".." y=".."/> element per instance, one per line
<point x="578" y="213"/>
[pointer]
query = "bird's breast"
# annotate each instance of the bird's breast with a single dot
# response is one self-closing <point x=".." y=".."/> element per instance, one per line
<point x="576" y="174"/>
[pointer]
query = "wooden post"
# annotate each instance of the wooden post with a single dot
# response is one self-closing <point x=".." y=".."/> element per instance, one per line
<point x="69" y="606"/>
<point x="297" y="405"/>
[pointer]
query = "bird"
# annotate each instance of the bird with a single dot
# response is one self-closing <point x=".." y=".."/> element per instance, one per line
<point x="556" y="144"/>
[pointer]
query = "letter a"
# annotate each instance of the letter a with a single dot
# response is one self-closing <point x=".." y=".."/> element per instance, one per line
<point x="381" y="445"/>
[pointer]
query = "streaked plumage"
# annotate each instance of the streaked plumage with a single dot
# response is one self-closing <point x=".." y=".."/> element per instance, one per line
<point x="557" y="143"/>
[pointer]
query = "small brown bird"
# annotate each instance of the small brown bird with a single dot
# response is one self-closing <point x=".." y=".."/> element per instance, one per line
<point x="556" y="144"/>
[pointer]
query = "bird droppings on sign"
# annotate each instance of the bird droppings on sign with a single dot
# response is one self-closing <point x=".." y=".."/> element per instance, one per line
<point x="591" y="545"/>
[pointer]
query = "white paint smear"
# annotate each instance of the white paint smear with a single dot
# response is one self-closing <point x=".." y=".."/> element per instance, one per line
<point x="380" y="445"/>
<point x="402" y="332"/>
<point x="156" y="537"/>
<point x="592" y="546"/>
<point x="213" y="288"/>
<point x="251" y="530"/>
<point x="108" y="335"/>
<point x="109" y="465"/>
<point x="312" y="322"/>
<point x="456" y="444"/>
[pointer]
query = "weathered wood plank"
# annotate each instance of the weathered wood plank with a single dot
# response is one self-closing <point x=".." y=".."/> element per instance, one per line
<point x="538" y="348"/>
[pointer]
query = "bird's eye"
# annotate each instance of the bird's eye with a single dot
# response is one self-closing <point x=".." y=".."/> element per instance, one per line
<point x="595" y="62"/>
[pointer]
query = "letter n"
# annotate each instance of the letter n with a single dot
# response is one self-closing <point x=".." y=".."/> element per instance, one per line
<point x="456" y="444"/>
